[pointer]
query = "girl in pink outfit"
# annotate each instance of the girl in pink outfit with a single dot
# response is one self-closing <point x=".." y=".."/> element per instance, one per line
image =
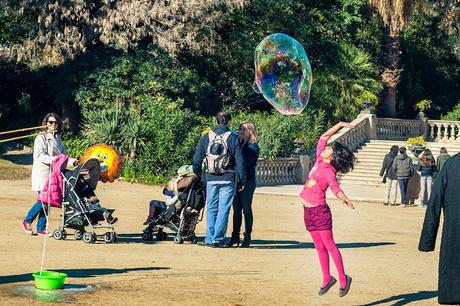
<point x="330" y="159"/>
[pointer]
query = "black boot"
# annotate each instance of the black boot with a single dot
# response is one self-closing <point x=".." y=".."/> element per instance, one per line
<point x="246" y="240"/>
<point x="234" y="239"/>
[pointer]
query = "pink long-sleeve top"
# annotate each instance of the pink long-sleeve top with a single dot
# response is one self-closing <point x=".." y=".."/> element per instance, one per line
<point x="321" y="176"/>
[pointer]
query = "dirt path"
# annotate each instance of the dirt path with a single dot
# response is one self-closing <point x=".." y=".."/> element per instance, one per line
<point x="378" y="244"/>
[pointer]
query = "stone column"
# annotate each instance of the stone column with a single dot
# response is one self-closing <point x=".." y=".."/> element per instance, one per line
<point x="304" y="168"/>
<point x="371" y="133"/>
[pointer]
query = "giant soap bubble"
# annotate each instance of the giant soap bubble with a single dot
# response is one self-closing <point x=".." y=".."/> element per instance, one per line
<point x="283" y="73"/>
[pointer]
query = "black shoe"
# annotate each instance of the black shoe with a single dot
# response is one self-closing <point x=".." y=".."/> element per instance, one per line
<point x="235" y="239"/>
<point x="219" y="245"/>
<point x="331" y="283"/>
<point x="344" y="291"/>
<point x="203" y="243"/>
<point x="246" y="241"/>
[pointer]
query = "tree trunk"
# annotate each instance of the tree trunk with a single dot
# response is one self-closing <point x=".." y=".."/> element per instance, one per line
<point x="391" y="54"/>
<point x="70" y="115"/>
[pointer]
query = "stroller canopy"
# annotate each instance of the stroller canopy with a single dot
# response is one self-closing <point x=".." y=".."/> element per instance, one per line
<point x="89" y="171"/>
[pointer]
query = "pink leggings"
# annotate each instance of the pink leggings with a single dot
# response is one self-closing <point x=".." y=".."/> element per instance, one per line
<point x="325" y="245"/>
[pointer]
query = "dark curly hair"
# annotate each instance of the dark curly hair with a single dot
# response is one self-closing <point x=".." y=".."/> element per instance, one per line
<point x="58" y="119"/>
<point x="343" y="159"/>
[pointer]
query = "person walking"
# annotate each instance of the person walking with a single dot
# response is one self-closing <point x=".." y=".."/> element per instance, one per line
<point x="389" y="177"/>
<point x="243" y="202"/>
<point x="330" y="159"/>
<point x="403" y="168"/>
<point x="427" y="167"/>
<point x="47" y="146"/>
<point x="225" y="169"/>
<point x="442" y="158"/>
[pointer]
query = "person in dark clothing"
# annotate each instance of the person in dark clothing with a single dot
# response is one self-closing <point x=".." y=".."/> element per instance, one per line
<point x="442" y="158"/>
<point x="225" y="168"/>
<point x="427" y="167"/>
<point x="403" y="168"/>
<point x="445" y="197"/>
<point x="389" y="176"/>
<point x="243" y="201"/>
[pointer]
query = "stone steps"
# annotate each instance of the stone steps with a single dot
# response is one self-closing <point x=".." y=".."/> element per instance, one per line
<point x="370" y="157"/>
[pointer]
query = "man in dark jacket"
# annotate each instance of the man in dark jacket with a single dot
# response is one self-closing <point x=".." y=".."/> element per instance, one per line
<point x="389" y="176"/>
<point x="403" y="168"/>
<point x="445" y="197"/>
<point x="222" y="178"/>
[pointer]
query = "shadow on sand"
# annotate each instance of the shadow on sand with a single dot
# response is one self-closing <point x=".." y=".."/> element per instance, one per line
<point x="404" y="299"/>
<point x="293" y="244"/>
<point x="77" y="273"/>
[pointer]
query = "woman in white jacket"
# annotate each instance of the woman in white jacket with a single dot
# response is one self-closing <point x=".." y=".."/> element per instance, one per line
<point x="47" y="146"/>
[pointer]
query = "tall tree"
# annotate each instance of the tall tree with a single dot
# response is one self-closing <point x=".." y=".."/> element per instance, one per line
<point x="394" y="15"/>
<point x="64" y="29"/>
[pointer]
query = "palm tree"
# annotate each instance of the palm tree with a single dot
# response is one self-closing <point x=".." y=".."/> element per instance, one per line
<point x="394" y="15"/>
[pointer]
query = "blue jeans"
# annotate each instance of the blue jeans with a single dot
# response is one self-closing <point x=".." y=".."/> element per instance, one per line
<point x="219" y="197"/>
<point x="403" y="187"/>
<point x="37" y="210"/>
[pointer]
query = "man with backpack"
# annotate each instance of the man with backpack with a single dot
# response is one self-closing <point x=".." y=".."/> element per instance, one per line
<point x="225" y="172"/>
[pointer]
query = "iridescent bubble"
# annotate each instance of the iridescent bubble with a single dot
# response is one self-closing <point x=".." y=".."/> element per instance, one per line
<point x="283" y="73"/>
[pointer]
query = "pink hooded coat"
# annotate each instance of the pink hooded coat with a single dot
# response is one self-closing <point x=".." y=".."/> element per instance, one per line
<point x="55" y="183"/>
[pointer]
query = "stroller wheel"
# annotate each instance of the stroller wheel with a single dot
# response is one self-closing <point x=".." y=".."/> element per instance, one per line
<point x="161" y="236"/>
<point x="110" y="237"/>
<point x="147" y="236"/>
<point x="178" y="240"/>
<point x="78" y="234"/>
<point x="57" y="234"/>
<point x="89" y="237"/>
<point x="194" y="239"/>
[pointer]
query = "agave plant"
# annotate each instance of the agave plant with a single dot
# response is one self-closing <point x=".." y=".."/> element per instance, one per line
<point x="103" y="126"/>
<point x="133" y="134"/>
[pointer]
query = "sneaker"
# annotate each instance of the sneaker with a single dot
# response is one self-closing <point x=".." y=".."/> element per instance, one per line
<point x="385" y="203"/>
<point x="204" y="243"/>
<point x="403" y="205"/>
<point x="27" y="228"/>
<point x="44" y="233"/>
<point x="112" y="220"/>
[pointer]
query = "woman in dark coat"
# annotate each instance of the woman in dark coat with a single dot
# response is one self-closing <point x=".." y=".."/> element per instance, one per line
<point x="243" y="201"/>
<point x="445" y="196"/>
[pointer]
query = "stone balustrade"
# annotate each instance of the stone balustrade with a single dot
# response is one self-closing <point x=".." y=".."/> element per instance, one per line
<point x="280" y="171"/>
<point x="399" y="129"/>
<point x="367" y="126"/>
<point x="442" y="130"/>
<point x="354" y="137"/>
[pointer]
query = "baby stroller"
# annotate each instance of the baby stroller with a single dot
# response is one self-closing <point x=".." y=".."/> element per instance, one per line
<point x="79" y="183"/>
<point x="184" y="221"/>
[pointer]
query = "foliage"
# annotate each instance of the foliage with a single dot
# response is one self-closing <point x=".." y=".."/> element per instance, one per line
<point x="64" y="29"/>
<point x="423" y="105"/>
<point x="414" y="141"/>
<point x="454" y="114"/>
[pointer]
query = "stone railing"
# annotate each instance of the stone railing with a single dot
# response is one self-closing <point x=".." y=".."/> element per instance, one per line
<point x="441" y="130"/>
<point x="280" y="171"/>
<point x="367" y="126"/>
<point x="356" y="136"/>
<point x="398" y="129"/>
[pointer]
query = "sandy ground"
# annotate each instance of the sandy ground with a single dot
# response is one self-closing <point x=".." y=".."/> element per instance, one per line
<point x="378" y="244"/>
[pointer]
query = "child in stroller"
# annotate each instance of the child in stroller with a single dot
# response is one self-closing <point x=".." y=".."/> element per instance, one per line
<point x="180" y="212"/>
<point x="81" y="208"/>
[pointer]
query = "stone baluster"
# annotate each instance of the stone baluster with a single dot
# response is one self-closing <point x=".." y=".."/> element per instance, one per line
<point x="451" y="132"/>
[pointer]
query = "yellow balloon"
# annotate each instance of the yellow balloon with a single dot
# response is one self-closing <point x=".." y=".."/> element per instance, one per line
<point x="111" y="158"/>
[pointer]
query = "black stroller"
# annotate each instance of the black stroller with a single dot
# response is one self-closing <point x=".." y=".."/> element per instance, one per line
<point x="182" y="222"/>
<point x="76" y="214"/>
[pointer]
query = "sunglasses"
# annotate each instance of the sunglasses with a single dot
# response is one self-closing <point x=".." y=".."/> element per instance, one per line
<point x="52" y="122"/>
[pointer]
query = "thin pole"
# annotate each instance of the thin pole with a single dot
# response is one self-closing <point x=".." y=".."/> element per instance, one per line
<point x="20" y="137"/>
<point x="23" y="130"/>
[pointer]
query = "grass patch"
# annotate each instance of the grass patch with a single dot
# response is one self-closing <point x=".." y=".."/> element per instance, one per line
<point x="10" y="171"/>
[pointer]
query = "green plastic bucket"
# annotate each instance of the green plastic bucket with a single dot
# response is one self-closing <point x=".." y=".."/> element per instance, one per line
<point x="49" y="280"/>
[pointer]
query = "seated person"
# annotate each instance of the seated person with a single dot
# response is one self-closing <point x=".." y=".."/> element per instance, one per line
<point x="92" y="202"/>
<point x="172" y="204"/>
